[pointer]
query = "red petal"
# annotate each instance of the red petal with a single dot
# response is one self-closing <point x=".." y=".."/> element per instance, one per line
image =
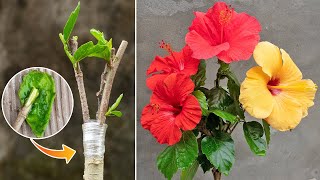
<point x="154" y="79"/>
<point x="190" y="115"/>
<point x="243" y="36"/>
<point x="173" y="90"/>
<point x="202" y="49"/>
<point x="147" y="117"/>
<point x="158" y="64"/>
<point x="165" y="130"/>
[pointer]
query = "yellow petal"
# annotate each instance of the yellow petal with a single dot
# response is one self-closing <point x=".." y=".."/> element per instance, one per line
<point x="254" y="94"/>
<point x="289" y="71"/>
<point x="286" y="114"/>
<point x="302" y="91"/>
<point x="268" y="56"/>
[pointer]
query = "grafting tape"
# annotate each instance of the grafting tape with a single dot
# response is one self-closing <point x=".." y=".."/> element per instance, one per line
<point x="94" y="138"/>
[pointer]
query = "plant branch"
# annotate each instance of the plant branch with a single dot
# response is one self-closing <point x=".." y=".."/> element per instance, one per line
<point x="216" y="174"/>
<point x="115" y="61"/>
<point x="79" y="78"/>
<point x="25" y="109"/>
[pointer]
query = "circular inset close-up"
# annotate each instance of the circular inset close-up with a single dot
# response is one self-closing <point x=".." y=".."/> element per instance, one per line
<point x="37" y="103"/>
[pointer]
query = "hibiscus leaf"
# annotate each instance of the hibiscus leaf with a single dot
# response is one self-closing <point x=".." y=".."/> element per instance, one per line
<point x="190" y="172"/>
<point x="234" y="90"/>
<point x="202" y="101"/>
<point x="116" y="113"/>
<point x="111" y="110"/>
<point x="70" y="23"/>
<point x="39" y="115"/>
<point x="200" y="78"/>
<point x="253" y="132"/>
<point x="204" y="163"/>
<point x="178" y="156"/>
<point x="219" y="99"/>
<point x="225" y="115"/>
<point x="91" y="50"/>
<point x="220" y="151"/>
<point x="266" y="128"/>
<point x="167" y="163"/>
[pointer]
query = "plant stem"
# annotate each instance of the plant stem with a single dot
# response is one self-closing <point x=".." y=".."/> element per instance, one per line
<point x="216" y="174"/>
<point x="115" y="61"/>
<point x="79" y="78"/>
<point x="26" y="109"/>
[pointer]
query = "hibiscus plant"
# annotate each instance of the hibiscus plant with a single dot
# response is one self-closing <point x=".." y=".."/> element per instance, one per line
<point x="196" y="122"/>
<point x="93" y="129"/>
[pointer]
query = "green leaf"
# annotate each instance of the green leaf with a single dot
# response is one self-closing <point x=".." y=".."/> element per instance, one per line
<point x="116" y="113"/>
<point x="200" y="78"/>
<point x="90" y="50"/>
<point x="234" y="90"/>
<point x="219" y="99"/>
<point x="202" y="101"/>
<point x="266" y="128"/>
<point x="71" y="22"/>
<point x="99" y="36"/>
<point x="220" y="151"/>
<point x="180" y="155"/>
<point x="253" y="132"/>
<point x="167" y="163"/>
<point x="114" y="106"/>
<point x="190" y="172"/>
<point x="204" y="162"/>
<point x="39" y="115"/>
<point x="225" y="115"/>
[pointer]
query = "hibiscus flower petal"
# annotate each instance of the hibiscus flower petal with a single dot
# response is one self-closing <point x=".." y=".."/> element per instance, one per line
<point x="254" y="94"/>
<point x="158" y="64"/>
<point x="190" y="64"/>
<point x="165" y="130"/>
<point x="173" y="89"/>
<point x="268" y="56"/>
<point x="154" y="79"/>
<point x="203" y="49"/>
<point x="302" y="91"/>
<point x="147" y="117"/>
<point x="242" y="33"/>
<point x="286" y="113"/>
<point x="190" y="114"/>
<point x="289" y="71"/>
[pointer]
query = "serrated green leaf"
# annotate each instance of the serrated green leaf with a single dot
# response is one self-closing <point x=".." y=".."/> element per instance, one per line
<point x="204" y="163"/>
<point x="200" y="78"/>
<point x="166" y="162"/>
<point x="116" y="113"/>
<point x="253" y="132"/>
<point x="190" y="172"/>
<point x="220" y="151"/>
<point x="178" y="156"/>
<point x="71" y="22"/>
<point x="109" y="43"/>
<point x="225" y="115"/>
<point x="266" y="128"/>
<point x="219" y="99"/>
<point x="202" y="101"/>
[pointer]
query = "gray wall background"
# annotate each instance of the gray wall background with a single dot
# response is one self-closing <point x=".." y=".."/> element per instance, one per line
<point x="293" y="25"/>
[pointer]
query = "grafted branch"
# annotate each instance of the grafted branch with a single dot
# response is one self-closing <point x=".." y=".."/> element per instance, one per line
<point x="108" y="81"/>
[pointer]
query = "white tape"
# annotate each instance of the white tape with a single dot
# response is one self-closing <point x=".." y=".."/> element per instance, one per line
<point x="94" y="139"/>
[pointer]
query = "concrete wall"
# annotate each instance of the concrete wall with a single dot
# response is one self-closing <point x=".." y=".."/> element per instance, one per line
<point x="293" y="25"/>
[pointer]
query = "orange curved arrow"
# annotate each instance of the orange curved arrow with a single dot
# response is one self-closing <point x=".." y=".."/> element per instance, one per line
<point x="66" y="153"/>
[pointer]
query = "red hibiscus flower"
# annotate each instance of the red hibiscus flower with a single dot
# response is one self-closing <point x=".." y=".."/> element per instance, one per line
<point x="172" y="108"/>
<point x="224" y="33"/>
<point x="176" y="62"/>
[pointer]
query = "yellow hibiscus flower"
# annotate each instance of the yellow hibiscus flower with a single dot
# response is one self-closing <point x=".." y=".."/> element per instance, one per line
<point x="275" y="90"/>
